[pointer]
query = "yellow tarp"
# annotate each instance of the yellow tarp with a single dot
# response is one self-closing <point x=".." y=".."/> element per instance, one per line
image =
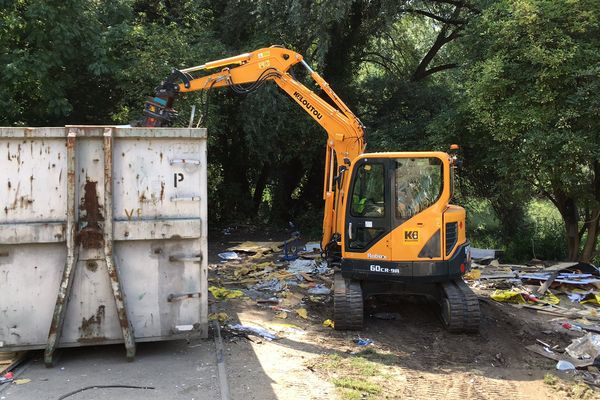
<point x="513" y="296"/>
<point x="328" y="323"/>
<point x="302" y="313"/>
<point x="473" y="274"/>
<point x="591" y="298"/>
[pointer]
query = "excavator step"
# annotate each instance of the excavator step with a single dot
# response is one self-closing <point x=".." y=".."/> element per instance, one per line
<point x="347" y="303"/>
<point x="460" y="307"/>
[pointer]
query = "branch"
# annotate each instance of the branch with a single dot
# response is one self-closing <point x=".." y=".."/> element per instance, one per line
<point x="440" y="41"/>
<point x="381" y="64"/>
<point x="438" y="68"/>
<point x="458" y="3"/>
<point x="385" y="59"/>
<point x="435" y="17"/>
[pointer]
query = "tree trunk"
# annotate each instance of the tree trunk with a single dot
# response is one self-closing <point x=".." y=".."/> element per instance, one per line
<point x="593" y="225"/>
<point x="589" y="248"/>
<point x="568" y="211"/>
<point x="259" y="187"/>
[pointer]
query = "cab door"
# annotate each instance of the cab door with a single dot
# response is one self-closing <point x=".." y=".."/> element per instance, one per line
<point x="368" y="211"/>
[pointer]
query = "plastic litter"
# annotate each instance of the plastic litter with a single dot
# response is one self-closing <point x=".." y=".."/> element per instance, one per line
<point x="273" y="285"/>
<point x="22" y="381"/>
<point x="319" y="290"/>
<point x="591" y="298"/>
<point x="301" y="265"/>
<point x="513" y="296"/>
<point x="563" y="365"/>
<point x="221" y="293"/>
<point x="585" y="348"/>
<point x="473" y="275"/>
<point x="363" y="341"/>
<point x="302" y="313"/>
<point x="254" y="330"/>
<point x="328" y="324"/>
<point x="307" y="266"/>
<point x="571" y="327"/>
<point x="281" y="315"/>
<point x="312" y="246"/>
<point x="229" y="255"/>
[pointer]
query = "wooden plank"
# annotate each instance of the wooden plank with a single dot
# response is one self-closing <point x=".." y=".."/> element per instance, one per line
<point x="6" y="363"/>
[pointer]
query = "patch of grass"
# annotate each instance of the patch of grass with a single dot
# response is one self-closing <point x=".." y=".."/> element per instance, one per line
<point x="382" y="358"/>
<point x="550" y="379"/>
<point x="364" y="367"/>
<point x="354" y="376"/>
<point x="581" y="391"/>
<point x="351" y="394"/>
<point x="356" y="384"/>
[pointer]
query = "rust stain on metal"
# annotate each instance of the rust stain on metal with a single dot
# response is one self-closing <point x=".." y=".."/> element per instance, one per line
<point x="162" y="191"/>
<point x="92" y="266"/>
<point x="90" y="236"/>
<point x="91" y="327"/>
<point x="161" y="156"/>
<point x="9" y="184"/>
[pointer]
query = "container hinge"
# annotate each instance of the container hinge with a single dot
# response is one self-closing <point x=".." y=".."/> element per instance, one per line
<point x="182" y="296"/>
<point x="192" y="198"/>
<point x="195" y="259"/>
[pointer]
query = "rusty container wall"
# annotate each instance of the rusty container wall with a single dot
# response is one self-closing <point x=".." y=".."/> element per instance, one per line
<point x="151" y="230"/>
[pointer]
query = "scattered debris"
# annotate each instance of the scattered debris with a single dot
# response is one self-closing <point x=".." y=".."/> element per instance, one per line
<point x="483" y="255"/>
<point x="563" y="365"/>
<point x="254" y="330"/>
<point x="221" y="293"/>
<point x="302" y="313"/>
<point x="272" y="285"/>
<point x="22" y="381"/>
<point x="328" y="324"/>
<point x="229" y="255"/>
<point x="319" y="290"/>
<point x="221" y="317"/>
<point x="586" y="348"/>
<point x="308" y="266"/>
<point x="256" y="247"/>
<point x="270" y="300"/>
<point x="363" y="341"/>
<point x="281" y="315"/>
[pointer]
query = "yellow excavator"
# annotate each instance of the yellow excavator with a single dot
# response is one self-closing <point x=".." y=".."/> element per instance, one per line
<point x="388" y="225"/>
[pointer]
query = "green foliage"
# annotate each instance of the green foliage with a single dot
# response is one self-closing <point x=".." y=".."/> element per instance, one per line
<point x="547" y="237"/>
<point x="524" y="100"/>
<point x="527" y="109"/>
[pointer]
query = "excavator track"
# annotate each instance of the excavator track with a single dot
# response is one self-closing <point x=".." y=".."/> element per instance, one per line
<point x="460" y="307"/>
<point x="347" y="303"/>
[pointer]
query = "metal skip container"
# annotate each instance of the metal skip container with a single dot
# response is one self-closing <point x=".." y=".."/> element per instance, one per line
<point x="103" y="236"/>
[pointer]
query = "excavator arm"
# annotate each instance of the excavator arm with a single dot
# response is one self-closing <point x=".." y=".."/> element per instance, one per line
<point x="247" y="72"/>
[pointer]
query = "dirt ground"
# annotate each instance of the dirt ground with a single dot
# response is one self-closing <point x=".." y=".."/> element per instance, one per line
<point x="411" y="357"/>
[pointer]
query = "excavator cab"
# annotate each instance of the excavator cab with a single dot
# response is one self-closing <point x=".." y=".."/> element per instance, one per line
<point x="403" y="236"/>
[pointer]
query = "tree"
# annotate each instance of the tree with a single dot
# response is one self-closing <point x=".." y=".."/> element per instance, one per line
<point x="529" y="107"/>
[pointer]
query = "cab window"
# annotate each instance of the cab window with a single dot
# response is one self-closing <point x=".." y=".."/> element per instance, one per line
<point x="419" y="184"/>
<point x="368" y="192"/>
